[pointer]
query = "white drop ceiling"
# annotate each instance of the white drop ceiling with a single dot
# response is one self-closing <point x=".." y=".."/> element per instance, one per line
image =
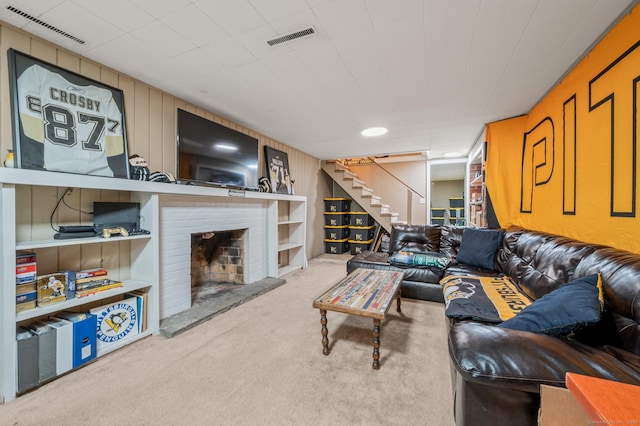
<point x="432" y="71"/>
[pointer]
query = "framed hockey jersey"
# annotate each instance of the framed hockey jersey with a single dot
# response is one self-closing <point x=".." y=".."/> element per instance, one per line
<point x="65" y="122"/>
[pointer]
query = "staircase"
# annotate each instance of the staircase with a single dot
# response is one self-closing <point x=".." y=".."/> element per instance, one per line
<point x="361" y="194"/>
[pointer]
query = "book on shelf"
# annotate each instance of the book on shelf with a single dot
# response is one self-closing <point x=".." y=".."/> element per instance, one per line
<point x="89" y="273"/>
<point x="96" y="282"/>
<point x="91" y="279"/>
<point x="23" y="257"/>
<point x="141" y="297"/>
<point x="106" y="285"/>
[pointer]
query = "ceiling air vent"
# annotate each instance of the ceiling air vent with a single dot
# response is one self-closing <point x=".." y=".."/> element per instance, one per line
<point x="44" y="24"/>
<point x="293" y="36"/>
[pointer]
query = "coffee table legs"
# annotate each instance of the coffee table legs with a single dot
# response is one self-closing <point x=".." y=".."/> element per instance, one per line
<point x="376" y="337"/>
<point x="376" y="344"/>
<point x="325" y="332"/>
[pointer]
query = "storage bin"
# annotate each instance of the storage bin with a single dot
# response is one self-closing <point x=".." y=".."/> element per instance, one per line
<point x="337" y="204"/>
<point x="46" y="350"/>
<point x="437" y="212"/>
<point x="336" y="232"/>
<point x="359" y="246"/>
<point x="361" y="233"/>
<point x="360" y="219"/>
<point x="336" y="246"/>
<point x="336" y="218"/>
<point x="456" y="212"/>
<point x="437" y="221"/>
<point x="85" y="327"/>
<point x="27" y="371"/>
<point x="456" y="202"/>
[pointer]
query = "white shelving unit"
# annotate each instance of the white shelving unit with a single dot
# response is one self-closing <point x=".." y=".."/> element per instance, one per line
<point x="25" y="227"/>
<point x="291" y="235"/>
<point x="476" y="189"/>
<point x="24" y="230"/>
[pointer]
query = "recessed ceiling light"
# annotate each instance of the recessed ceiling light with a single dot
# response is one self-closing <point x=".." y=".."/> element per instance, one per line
<point x="452" y="154"/>
<point x="374" y="131"/>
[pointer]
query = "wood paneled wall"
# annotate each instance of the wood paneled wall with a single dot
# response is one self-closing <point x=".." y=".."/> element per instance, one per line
<point x="150" y="116"/>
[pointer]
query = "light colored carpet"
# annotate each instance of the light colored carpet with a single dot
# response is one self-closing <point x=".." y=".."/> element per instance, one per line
<point x="261" y="363"/>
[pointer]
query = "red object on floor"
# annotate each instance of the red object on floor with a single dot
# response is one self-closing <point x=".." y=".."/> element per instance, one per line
<point x="606" y="401"/>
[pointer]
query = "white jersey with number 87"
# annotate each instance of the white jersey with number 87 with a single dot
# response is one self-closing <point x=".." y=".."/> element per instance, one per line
<point x="79" y="125"/>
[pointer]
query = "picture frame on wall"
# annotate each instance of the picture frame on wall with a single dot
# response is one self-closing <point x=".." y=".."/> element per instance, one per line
<point x="277" y="170"/>
<point x="65" y="122"/>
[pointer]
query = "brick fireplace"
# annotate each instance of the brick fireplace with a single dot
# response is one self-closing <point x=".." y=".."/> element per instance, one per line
<point x="217" y="257"/>
<point x="183" y="216"/>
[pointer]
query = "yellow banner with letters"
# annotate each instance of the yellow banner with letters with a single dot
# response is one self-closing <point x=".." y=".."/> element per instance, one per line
<point x="570" y="166"/>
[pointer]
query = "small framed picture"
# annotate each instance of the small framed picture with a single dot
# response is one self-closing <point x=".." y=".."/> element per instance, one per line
<point x="277" y="170"/>
<point x="65" y="122"/>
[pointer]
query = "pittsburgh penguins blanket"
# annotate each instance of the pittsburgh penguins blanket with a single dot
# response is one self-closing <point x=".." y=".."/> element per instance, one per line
<point x="490" y="299"/>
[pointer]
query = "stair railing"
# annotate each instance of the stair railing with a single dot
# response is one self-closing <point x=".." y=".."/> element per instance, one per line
<point x="411" y="192"/>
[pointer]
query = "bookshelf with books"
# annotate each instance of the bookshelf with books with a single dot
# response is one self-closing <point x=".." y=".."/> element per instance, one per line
<point x="131" y="261"/>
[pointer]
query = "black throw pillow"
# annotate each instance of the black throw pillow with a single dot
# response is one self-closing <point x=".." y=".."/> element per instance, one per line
<point x="564" y="311"/>
<point x="479" y="247"/>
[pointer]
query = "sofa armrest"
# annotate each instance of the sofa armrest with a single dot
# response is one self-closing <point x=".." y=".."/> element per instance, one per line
<point x="522" y="360"/>
<point x="380" y="261"/>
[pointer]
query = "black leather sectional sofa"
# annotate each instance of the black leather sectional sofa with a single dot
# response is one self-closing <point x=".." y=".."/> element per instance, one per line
<point x="497" y="372"/>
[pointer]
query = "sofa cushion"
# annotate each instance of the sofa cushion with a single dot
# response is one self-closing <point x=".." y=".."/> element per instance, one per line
<point x="563" y="311"/>
<point x="450" y="239"/>
<point x="541" y="262"/>
<point x="419" y="260"/>
<point x="512" y="359"/>
<point x="415" y="238"/>
<point x="479" y="247"/>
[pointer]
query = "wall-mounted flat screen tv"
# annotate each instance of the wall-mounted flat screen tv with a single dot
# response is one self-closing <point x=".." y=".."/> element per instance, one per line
<point x="211" y="153"/>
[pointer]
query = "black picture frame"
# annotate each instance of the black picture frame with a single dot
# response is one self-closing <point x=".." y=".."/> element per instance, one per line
<point x="65" y="122"/>
<point x="277" y="170"/>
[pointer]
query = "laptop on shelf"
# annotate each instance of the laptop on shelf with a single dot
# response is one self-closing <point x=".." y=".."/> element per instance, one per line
<point x="116" y="215"/>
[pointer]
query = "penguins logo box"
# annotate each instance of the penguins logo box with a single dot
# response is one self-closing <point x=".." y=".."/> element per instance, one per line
<point x="116" y="323"/>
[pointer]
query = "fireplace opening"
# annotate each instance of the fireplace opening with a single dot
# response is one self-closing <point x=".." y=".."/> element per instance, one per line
<point x="217" y="262"/>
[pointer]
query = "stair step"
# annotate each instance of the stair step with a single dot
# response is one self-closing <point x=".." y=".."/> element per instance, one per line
<point x="399" y="222"/>
<point x="390" y="214"/>
<point x="357" y="184"/>
<point x="384" y="208"/>
<point x="376" y="201"/>
<point x="348" y="175"/>
<point x="367" y="192"/>
<point x="340" y="166"/>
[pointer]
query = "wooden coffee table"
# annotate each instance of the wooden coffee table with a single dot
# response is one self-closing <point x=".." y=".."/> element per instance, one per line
<point x="365" y="292"/>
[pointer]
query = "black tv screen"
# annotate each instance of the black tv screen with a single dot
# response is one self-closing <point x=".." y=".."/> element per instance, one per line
<point x="211" y="153"/>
